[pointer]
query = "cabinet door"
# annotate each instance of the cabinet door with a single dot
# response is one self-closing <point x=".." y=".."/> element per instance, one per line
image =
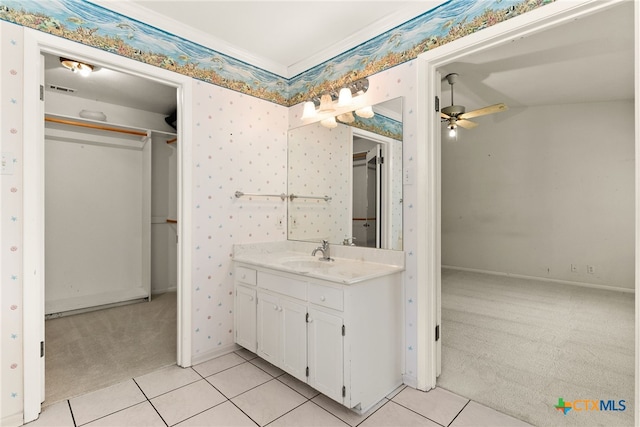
<point x="325" y="347"/>
<point x="294" y="338"/>
<point x="245" y="317"/>
<point x="269" y="328"/>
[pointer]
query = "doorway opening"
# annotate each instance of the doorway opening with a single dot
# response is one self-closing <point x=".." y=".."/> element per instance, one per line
<point x="461" y="54"/>
<point x="373" y="170"/>
<point x="110" y="237"/>
<point x="37" y="46"/>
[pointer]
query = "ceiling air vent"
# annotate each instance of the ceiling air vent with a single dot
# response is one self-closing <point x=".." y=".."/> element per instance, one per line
<point x="62" y="89"/>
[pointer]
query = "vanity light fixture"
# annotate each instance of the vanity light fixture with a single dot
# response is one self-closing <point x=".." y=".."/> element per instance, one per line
<point x="309" y="110"/>
<point x="76" y="66"/>
<point x="326" y="104"/>
<point x="329" y="122"/>
<point x="343" y="98"/>
<point x="346" y="117"/>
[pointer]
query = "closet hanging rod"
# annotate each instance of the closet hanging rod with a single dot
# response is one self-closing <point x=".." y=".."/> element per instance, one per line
<point x="93" y="126"/>
<point x="171" y="141"/>
<point x="240" y="194"/>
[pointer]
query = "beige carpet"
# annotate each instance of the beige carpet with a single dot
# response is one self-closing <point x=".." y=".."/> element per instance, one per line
<point x="89" y="351"/>
<point x="518" y="345"/>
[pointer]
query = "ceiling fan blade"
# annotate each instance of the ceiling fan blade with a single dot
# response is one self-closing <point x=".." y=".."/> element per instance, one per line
<point x="466" y="124"/>
<point x="444" y="116"/>
<point x="496" y="108"/>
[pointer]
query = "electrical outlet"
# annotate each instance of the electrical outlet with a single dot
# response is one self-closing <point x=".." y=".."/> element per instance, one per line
<point x="591" y="269"/>
<point x="574" y="268"/>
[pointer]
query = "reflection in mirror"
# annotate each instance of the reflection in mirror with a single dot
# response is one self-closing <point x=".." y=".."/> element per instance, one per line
<point x="359" y="166"/>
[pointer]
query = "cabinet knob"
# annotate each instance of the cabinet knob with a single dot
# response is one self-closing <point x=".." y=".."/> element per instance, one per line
<point x="250" y="298"/>
<point x="275" y="307"/>
<point x="310" y="319"/>
<point x="322" y="298"/>
<point x="279" y="308"/>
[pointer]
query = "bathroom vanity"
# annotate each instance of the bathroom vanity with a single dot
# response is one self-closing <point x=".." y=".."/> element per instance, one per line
<point x="335" y="325"/>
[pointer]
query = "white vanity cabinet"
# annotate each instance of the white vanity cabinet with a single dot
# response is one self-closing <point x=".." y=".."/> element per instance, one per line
<point x="282" y="333"/>
<point x="344" y="340"/>
<point x="245" y="308"/>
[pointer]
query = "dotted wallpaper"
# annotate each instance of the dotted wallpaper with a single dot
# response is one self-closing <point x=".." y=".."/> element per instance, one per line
<point x="239" y="144"/>
<point x="11" y="219"/>
<point x="319" y="165"/>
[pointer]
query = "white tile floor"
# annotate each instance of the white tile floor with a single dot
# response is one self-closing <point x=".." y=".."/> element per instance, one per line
<point x="239" y="389"/>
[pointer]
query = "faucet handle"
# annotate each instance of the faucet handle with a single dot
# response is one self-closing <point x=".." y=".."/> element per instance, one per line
<point x="325" y="243"/>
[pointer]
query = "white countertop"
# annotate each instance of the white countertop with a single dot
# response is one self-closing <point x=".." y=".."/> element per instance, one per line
<point x="343" y="269"/>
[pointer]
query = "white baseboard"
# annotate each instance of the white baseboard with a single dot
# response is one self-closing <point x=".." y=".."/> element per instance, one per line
<point x="203" y="357"/>
<point x="544" y="279"/>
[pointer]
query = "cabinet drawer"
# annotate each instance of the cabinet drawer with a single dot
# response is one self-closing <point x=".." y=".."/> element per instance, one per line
<point x="246" y="275"/>
<point x="293" y="288"/>
<point x="326" y="296"/>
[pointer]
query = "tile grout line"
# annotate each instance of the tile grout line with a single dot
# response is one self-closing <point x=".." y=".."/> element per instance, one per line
<point x="328" y="411"/>
<point x="150" y="402"/>
<point x="454" y="418"/>
<point x="288" y="412"/>
<point x="418" y="413"/>
<point x="381" y="406"/>
<point x="73" y="419"/>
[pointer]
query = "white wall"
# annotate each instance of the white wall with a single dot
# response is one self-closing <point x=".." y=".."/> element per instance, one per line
<point x="239" y="144"/>
<point x="319" y="165"/>
<point x="163" y="177"/>
<point x="534" y="190"/>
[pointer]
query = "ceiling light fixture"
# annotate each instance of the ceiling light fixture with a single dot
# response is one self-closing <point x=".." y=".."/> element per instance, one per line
<point x="452" y="130"/>
<point x="76" y="66"/>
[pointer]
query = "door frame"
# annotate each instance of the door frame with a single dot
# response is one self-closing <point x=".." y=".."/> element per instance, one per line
<point x="385" y="210"/>
<point x="429" y="161"/>
<point x="36" y="42"/>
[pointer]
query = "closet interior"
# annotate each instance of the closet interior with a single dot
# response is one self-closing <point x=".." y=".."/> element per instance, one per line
<point x="110" y="189"/>
<point x="111" y="177"/>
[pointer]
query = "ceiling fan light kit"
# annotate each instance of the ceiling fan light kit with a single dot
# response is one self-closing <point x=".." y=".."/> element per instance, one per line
<point x="456" y="115"/>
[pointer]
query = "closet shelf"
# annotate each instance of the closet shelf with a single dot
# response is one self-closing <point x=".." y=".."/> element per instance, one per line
<point x="99" y="125"/>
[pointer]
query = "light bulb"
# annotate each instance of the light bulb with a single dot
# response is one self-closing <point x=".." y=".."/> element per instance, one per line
<point x="326" y="104"/>
<point x="309" y="110"/>
<point x="329" y="123"/>
<point x="346" y="117"/>
<point x="344" y="98"/>
<point x="452" y="131"/>
<point x="365" y="112"/>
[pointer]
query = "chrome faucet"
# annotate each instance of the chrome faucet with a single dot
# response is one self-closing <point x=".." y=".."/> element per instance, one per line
<point x="325" y="249"/>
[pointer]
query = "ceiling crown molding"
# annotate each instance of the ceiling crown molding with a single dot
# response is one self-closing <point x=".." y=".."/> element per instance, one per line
<point x="380" y="27"/>
<point x="154" y="19"/>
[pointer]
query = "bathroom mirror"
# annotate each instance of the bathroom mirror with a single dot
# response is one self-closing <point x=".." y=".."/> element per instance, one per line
<point x="346" y="181"/>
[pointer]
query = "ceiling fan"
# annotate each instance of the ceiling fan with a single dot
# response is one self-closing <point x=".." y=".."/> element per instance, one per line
<point x="456" y="115"/>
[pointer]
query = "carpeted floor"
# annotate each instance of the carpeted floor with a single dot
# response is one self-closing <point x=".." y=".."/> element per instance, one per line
<point x="519" y="345"/>
<point x="89" y="351"/>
